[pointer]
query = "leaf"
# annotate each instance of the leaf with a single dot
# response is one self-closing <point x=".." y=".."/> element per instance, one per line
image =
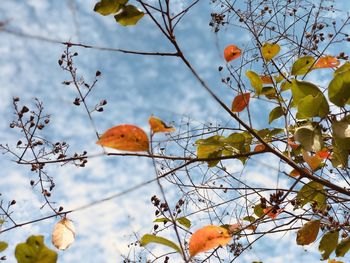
<point x="146" y="239"/>
<point x="309" y="99"/>
<point x="207" y="238"/>
<point x="313" y="161"/>
<point x="275" y="114"/>
<point x="125" y="137"/>
<point x="334" y="261"/>
<point x="259" y="148"/>
<point x="314" y="193"/>
<point x="269" y="51"/>
<point x="310" y="137"/>
<point x="184" y="221"/>
<point x="63" y="234"/>
<point x="258" y="210"/>
<point x="295" y="173"/>
<point x="108" y="7"/>
<point x="157" y="125"/>
<point x="35" y="251"/>
<point x="308" y="233"/>
<point x="3" y="246"/>
<point x="339" y="89"/>
<point x="341" y="129"/>
<point x="240" y="102"/>
<point x="327" y="62"/>
<point x="255" y="81"/>
<point x="343" y="247"/>
<point x="266" y="79"/>
<point x="129" y="15"/>
<point x="210" y="148"/>
<point x="272" y="212"/>
<point x="161" y="220"/>
<point x="302" y="65"/>
<point x="341" y="148"/>
<point x="250" y="219"/>
<point x="231" y="52"/>
<point x="345" y="67"/>
<point x="328" y="244"/>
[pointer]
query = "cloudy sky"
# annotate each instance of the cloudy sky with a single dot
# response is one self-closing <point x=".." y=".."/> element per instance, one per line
<point x="135" y="87"/>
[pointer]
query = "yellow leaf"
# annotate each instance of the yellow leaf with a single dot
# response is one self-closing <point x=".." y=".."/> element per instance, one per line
<point x="269" y="51"/>
<point x="63" y="234"/>
<point x="240" y="102"/>
<point x="308" y="233"/>
<point x="334" y="261"/>
<point x="125" y="137"/>
<point x="207" y="238"/>
<point x="313" y="161"/>
<point x="255" y="81"/>
<point x="232" y="52"/>
<point x="157" y="125"/>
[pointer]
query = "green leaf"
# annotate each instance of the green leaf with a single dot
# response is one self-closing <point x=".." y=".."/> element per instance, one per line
<point x="345" y="67"/>
<point x="339" y="89"/>
<point x="302" y="65"/>
<point x="108" y="7"/>
<point x="341" y="129"/>
<point x="308" y="233"/>
<point x="309" y="99"/>
<point x="285" y="85"/>
<point x="210" y="148"/>
<point x="250" y="219"/>
<point x="255" y="81"/>
<point x="341" y="148"/>
<point x="328" y="244"/>
<point x="129" y="16"/>
<point x="146" y="239"/>
<point x="161" y="220"/>
<point x="184" y="221"/>
<point x="3" y="246"/>
<point x="275" y="114"/>
<point x="258" y="210"/>
<point x="310" y="137"/>
<point x="312" y="192"/>
<point x="343" y="247"/>
<point x="35" y="251"/>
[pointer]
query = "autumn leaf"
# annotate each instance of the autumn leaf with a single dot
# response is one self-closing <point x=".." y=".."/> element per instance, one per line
<point x="157" y="125"/>
<point x="308" y="233"/>
<point x="324" y="154"/>
<point x="266" y="79"/>
<point x="240" y="102"/>
<point x="292" y="144"/>
<point x="259" y="148"/>
<point x="272" y="212"/>
<point x="232" y="52"/>
<point x="295" y="173"/>
<point x="334" y="261"/>
<point x="63" y="234"/>
<point x="125" y="137"/>
<point x="327" y="62"/>
<point x="269" y="51"/>
<point x="313" y="161"/>
<point x="207" y="238"/>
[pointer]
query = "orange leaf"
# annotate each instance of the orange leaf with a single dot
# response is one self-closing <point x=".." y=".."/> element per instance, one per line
<point x="313" y="161"/>
<point x="125" y="137"/>
<point x="157" y="125"/>
<point x="272" y="212"/>
<point x="266" y="79"/>
<point x="295" y="173"/>
<point x="240" y="102"/>
<point x="231" y="52"/>
<point x="324" y="154"/>
<point x="207" y="238"/>
<point x="259" y="148"/>
<point x="327" y="62"/>
<point x="292" y="144"/>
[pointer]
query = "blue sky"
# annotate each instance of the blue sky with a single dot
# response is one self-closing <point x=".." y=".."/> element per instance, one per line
<point x="135" y="87"/>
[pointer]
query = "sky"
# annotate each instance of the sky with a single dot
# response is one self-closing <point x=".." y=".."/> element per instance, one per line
<point x="135" y="87"/>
